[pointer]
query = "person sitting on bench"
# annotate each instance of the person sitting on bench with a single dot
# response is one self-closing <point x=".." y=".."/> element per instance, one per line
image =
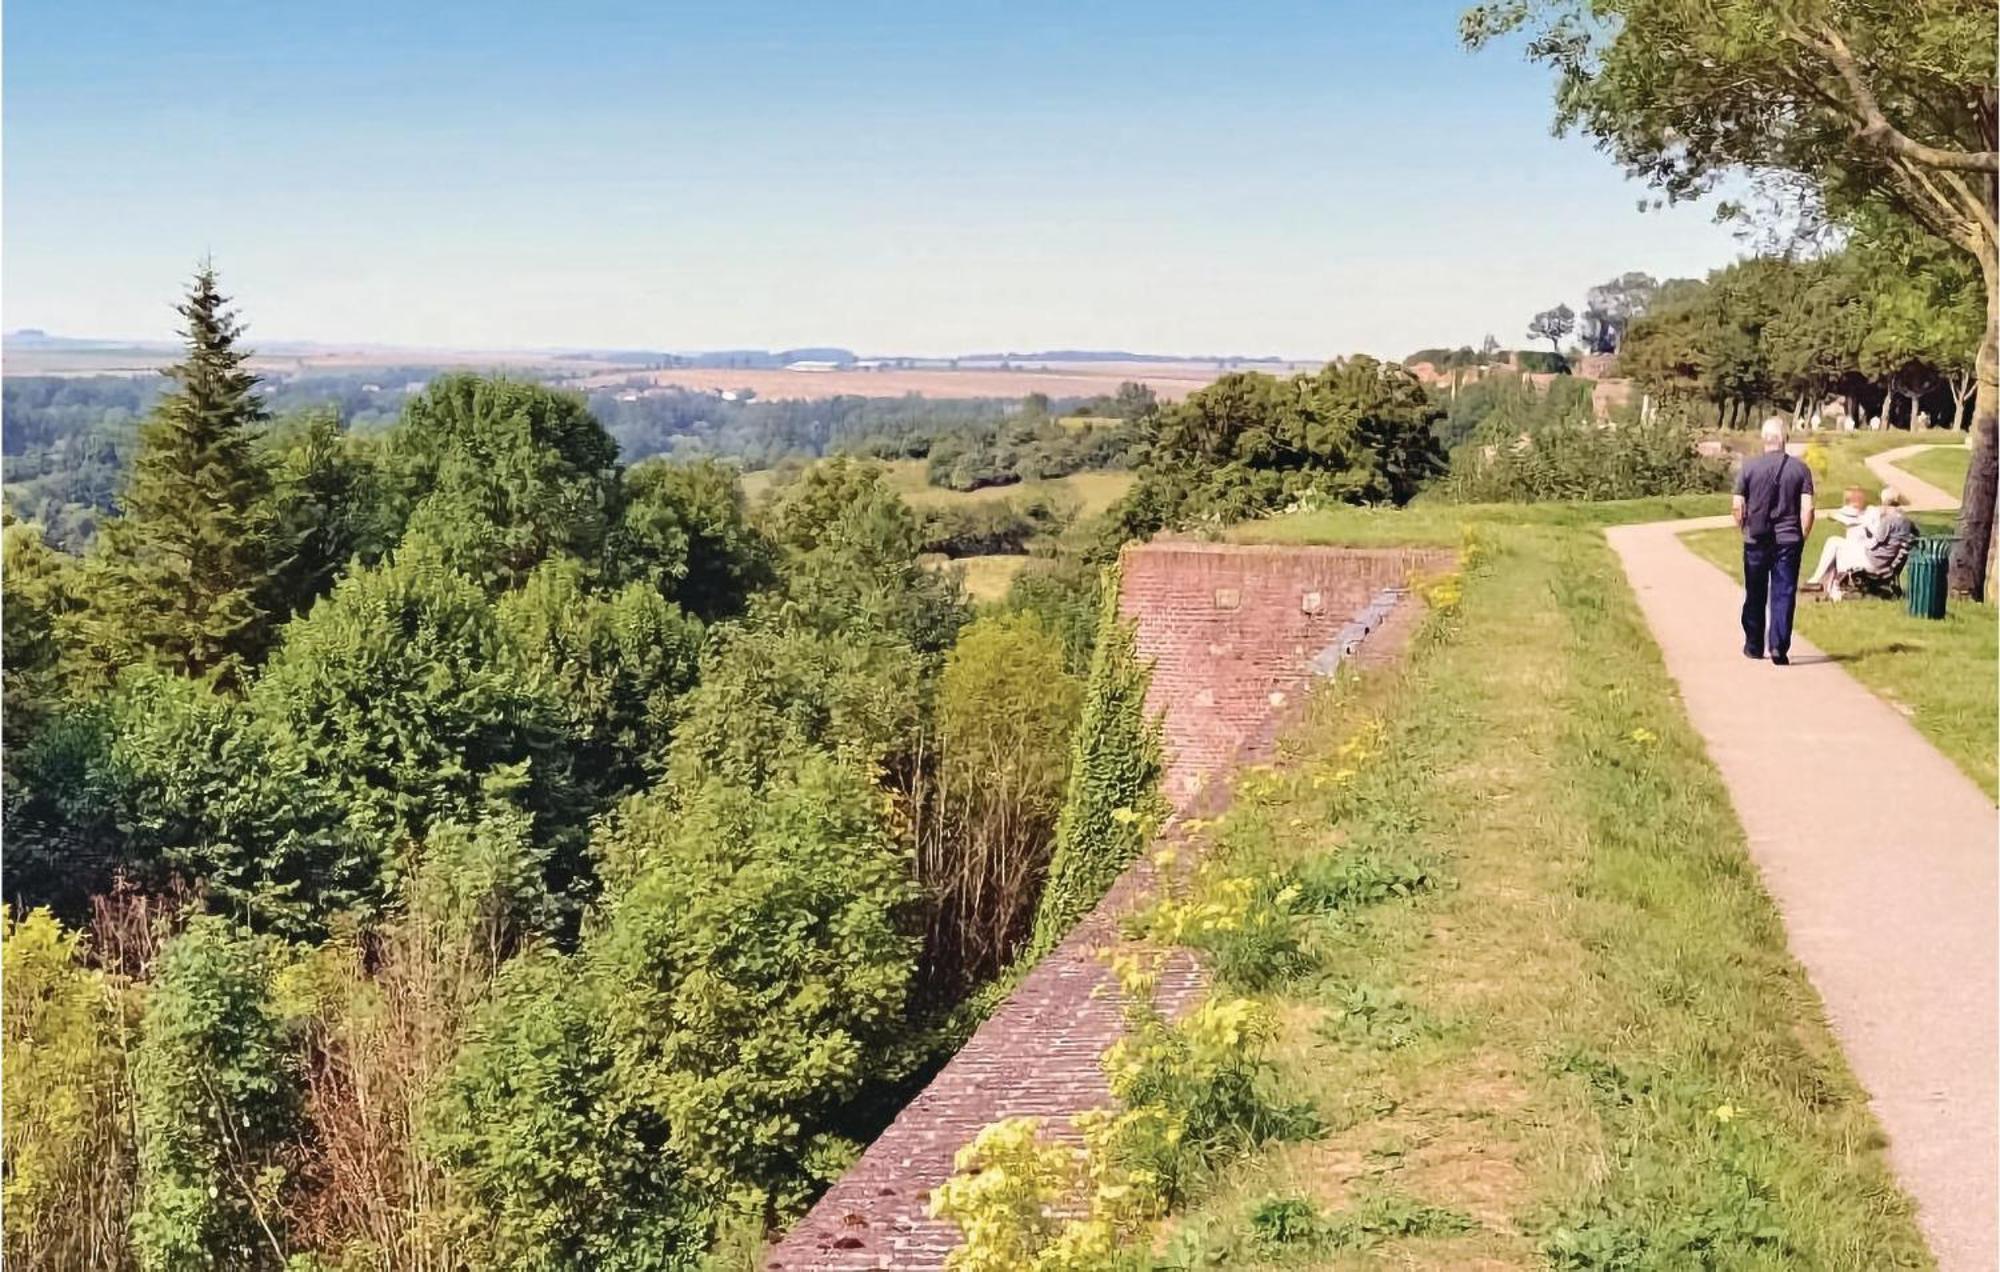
<point x="1847" y="552"/>
<point x="1879" y="561"/>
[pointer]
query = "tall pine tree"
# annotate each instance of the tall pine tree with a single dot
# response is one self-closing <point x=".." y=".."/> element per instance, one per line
<point x="192" y="549"/>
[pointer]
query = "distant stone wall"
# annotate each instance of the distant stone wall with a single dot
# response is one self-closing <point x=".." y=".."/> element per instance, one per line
<point x="1233" y="633"/>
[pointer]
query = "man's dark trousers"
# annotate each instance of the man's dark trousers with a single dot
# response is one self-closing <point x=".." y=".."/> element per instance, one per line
<point x="1770" y="586"/>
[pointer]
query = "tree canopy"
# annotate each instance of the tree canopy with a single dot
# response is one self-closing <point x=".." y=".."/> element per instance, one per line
<point x="1848" y="106"/>
<point x="1357" y="431"/>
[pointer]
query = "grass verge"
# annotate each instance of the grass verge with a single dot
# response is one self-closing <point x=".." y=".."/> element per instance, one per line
<point x="1569" y="1033"/>
<point x="1942" y="466"/>
<point x="1841" y="459"/>
<point x="1939" y="674"/>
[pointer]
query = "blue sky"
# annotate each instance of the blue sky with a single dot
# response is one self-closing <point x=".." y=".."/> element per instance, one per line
<point x="1302" y="179"/>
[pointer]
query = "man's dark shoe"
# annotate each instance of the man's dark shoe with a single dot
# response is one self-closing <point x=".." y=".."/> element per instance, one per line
<point x="1781" y="660"/>
<point x="1757" y="654"/>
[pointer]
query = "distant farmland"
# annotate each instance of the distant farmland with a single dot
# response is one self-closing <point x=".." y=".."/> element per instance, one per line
<point x="1170" y="380"/>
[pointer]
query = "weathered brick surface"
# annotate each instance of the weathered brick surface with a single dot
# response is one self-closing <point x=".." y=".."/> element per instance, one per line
<point x="1037" y="1055"/>
<point x="1231" y="631"/>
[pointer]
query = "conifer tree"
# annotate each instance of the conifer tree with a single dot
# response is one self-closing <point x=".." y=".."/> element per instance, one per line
<point x="191" y="551"/>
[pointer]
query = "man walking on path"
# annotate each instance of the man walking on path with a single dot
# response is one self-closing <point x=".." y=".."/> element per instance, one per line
<point x="1773" y="508"/>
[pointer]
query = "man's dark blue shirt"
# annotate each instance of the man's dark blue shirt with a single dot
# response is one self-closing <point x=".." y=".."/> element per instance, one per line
<point x="1772" y="486"/>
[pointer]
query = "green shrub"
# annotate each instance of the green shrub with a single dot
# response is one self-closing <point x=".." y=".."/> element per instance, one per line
<point x="501" y="475"/>
<point x="1332" y="882"/>
<point x="988" y="526"/>
<point x="1197" y="1090"/>
<point x="771" y="691"/>
<point x="553" y="1165"/>
<point x="684" y="531"/>
<point x="67" y="1105"/>
<point x="393" y="696"/>
<point x="615" y="666"/>
<point x="851" y="548"/>
<point x="1357" y="431"/>
<point x="1374" y="1016"/>
<point x="1278" y="1222"/>
<point x="754" y="973"/>
<point x="1248" y="926"/>
<point x="1005" y="713"/>
<point x="217" y="1100"/>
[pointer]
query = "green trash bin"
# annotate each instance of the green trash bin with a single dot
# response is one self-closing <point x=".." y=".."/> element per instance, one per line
<point x="1930" y="565"/>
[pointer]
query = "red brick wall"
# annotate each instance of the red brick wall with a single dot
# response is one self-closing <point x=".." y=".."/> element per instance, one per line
<point x="1230" y="630"/>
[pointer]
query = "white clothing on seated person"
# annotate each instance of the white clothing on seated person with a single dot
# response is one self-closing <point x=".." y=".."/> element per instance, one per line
<point x="1842" y="555"/>
<point x="1851" y="551"/>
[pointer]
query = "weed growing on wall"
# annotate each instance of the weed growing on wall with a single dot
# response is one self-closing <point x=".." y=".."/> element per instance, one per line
<point x="1190" y="1094"/>
<point x="1113" y="801"/>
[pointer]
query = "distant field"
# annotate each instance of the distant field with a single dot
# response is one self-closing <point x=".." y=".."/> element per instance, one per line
<point x="1093" y="491"/>
<point x="987" y="578"/>
<point x="1169" y="380"/>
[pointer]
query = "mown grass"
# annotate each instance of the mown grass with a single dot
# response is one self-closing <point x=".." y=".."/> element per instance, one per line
<point x="1581" y="1043"/>
<point x="1941" y="674"/>
<point x="1942" y="466"/>
<point x="1843" y="457"/>
<point x="1436" y="522"/>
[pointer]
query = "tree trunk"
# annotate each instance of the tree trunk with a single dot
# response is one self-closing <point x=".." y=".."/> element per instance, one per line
<point x="1975" y="514"/>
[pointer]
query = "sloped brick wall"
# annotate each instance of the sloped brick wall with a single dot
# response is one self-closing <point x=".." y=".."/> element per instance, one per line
<point x="1232" y="632"/>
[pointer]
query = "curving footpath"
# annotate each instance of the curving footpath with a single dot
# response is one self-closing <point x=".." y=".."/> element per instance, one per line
<point x="1923" y="496"/>
<point x="1880" y="856"/>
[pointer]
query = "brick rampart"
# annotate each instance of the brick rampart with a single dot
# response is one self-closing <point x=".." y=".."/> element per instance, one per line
<point x="1232" y="632"/>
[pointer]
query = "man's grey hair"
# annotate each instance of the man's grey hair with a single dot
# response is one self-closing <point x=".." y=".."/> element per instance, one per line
<point x="1773" y="431"/>
<point x="1892" y="497"/>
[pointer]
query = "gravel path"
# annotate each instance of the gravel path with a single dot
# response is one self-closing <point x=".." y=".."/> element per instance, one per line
<point x="1880" y="855"/>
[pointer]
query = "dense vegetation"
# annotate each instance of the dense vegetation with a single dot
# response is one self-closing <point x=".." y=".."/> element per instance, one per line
<point x="1889" y="326"/>
<point x="1874" y="120"/>
<point x="1357" y="431"/>
<point x="448" y="842"/>
<point x="71" y="440"/>
<point x="1578" y="459"/>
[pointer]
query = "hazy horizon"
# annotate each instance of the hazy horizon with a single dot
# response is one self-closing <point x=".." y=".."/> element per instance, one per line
<point x="1292" y="181"/>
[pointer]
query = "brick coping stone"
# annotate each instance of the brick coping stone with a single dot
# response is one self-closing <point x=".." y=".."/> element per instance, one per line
<point x="1235" y="633"/>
